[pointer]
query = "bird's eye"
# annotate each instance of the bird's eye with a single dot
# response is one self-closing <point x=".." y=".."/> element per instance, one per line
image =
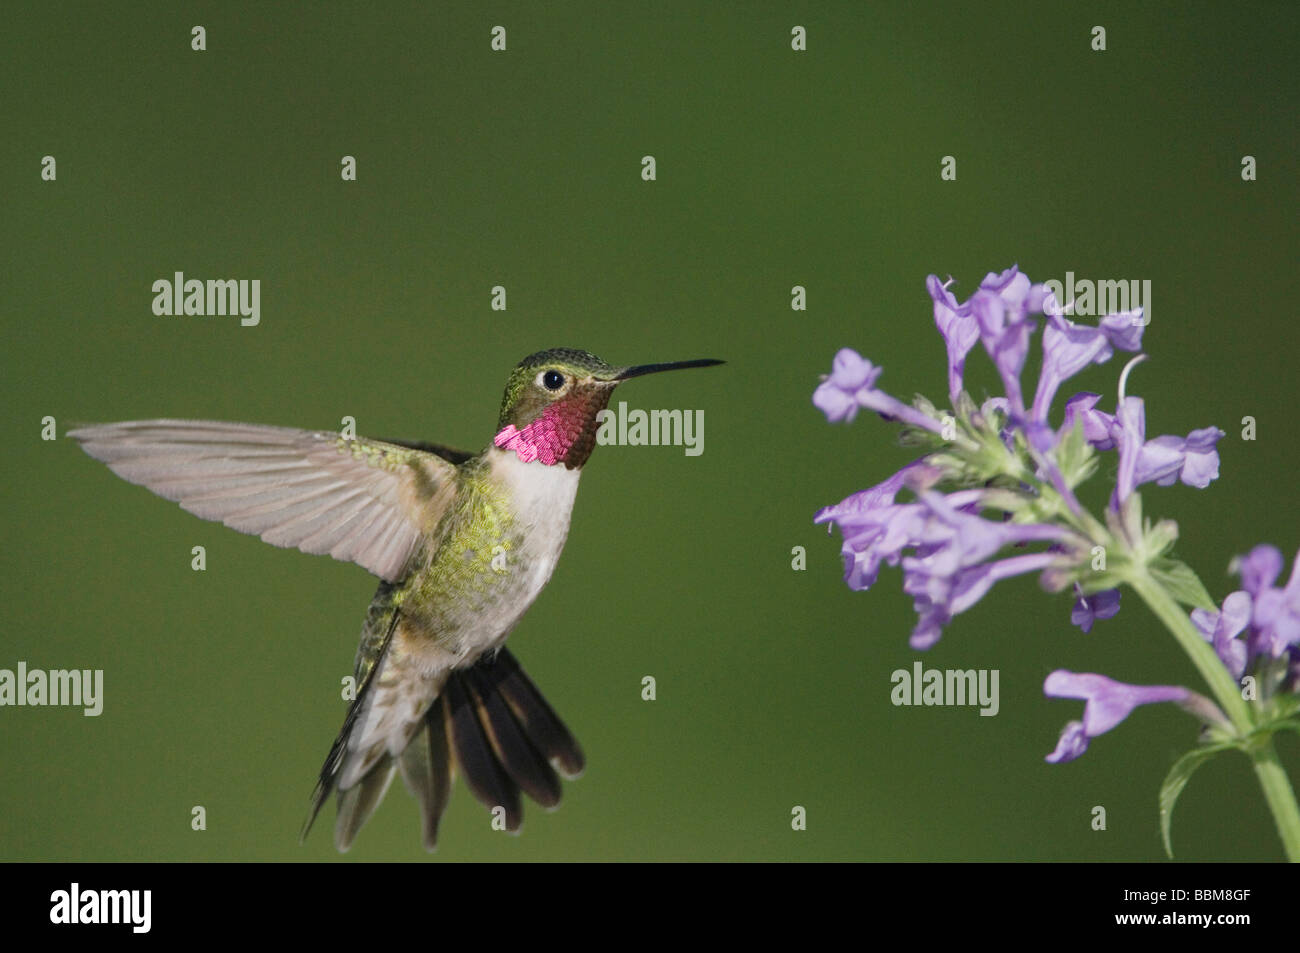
<point x="552" y="380"/>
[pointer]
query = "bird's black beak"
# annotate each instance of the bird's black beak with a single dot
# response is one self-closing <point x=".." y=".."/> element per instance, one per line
<point x="627" y="373"/>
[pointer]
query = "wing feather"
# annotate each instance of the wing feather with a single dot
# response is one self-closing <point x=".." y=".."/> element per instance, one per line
<point x="364" y="501"/>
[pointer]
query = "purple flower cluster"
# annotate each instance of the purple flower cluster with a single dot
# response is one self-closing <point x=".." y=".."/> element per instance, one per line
<point x="1258" y="623"/>
<point x="948" y="542"/>
<point x="1002" y="314"/>
<point x="952" y="541"/>
<point x="949" y="569"/>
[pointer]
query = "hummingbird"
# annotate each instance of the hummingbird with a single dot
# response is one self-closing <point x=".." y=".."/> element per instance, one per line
<point x="462" y="543"/>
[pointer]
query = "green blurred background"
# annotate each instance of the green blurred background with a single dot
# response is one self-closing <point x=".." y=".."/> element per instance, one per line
<point x="522" y="169"/>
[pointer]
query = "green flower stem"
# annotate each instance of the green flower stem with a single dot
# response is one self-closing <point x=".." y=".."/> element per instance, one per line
<point x="1226" y="691"/>
<point x="1272" y="778"/>
<point x="1279" y="794"/>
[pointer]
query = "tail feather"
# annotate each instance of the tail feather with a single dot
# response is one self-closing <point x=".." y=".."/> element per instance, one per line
<point x="486" y="778"/>
<point x="358" y="802"/>
<point x="426" y="769"/>
<point x="526" y="767"/>
<point x="537" y="719"/>
<point x="489" y="720"/>
<point x="329" y="771"/>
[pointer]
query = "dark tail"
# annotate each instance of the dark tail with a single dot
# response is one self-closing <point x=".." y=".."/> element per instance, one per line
<point x="491" y="722"/>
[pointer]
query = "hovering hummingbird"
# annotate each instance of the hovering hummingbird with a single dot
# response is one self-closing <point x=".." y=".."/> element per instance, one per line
<point x="462" y="543"/>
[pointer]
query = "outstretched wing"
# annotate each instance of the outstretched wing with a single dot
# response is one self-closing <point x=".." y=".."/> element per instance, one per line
<point x="362" y="501"/>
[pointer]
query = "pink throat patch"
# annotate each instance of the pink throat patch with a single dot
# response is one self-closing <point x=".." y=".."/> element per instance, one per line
<point x="548" y="438"/>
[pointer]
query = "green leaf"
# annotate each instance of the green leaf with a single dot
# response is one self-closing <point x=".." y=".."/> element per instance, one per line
<point x="1176" y="780"/>
<point x="1181" y="582"/>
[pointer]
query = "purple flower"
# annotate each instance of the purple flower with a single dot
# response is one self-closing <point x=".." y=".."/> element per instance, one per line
<point x="1108" y="703"/>
<point x="959" y="329"/>
<point x="940" y="595"/>
<point x="1088" y="609"/>
<point x="876" y="530"/>
<point x="1221" y="629"/>
<point x="872" y="498"/>
<point x="1129" y="433"/>
<point x="1269" y="616"/>
<point x="869" y="522"/>
<point x="1006" y="338"/>
<point x="1013" y="287"/>
<point x="1259" y="568"/>
<point x="1276" y="616"/>
<point x="949" y="573"/>
<point x="950" y="542"/>
<point x="1068" y="348"/>
<point x="1098" y="425"/>
<point x="837" y="395"/>
<point x="1003" y="306"/>
<point x="995" y="498"/>
<point x="1072" y="743"/>
<point x="852" y="384"/>
<point x="1193" y="459"/>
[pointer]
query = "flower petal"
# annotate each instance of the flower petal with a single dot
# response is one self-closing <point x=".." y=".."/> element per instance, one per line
<point x="1072" y="743"/>
<point x="959" y="328"/>
<point x="1201" y="465"/>
<point x="1259" y="568"/>
<point x="1099" y="605"/>
<point x="1108" y="702"/>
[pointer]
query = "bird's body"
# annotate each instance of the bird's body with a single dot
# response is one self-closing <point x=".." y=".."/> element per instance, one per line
<point x="462" y="601"/>
<point x="463" y="543"/>
<point x="457" y="603"/>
